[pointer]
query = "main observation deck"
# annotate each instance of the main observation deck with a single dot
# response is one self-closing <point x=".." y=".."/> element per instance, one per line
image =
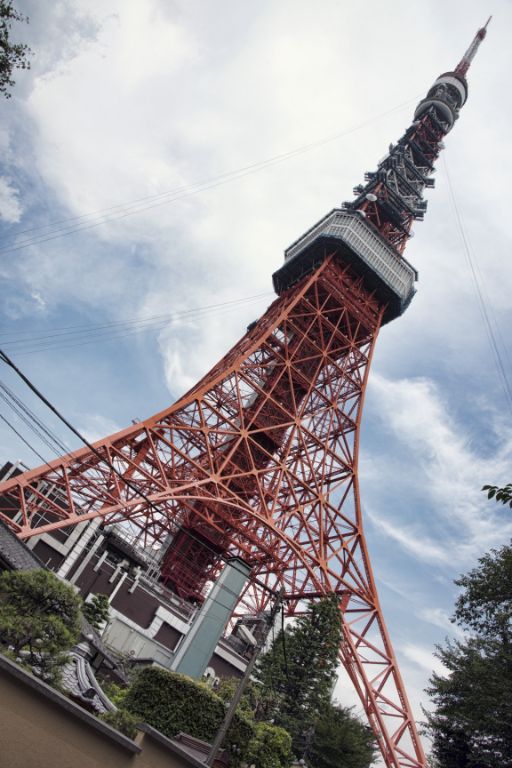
<point x="357" y="242"/>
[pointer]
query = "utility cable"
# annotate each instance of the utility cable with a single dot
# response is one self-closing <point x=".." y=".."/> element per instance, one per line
<point x="82" y="328"/>
<point x="221" y="733"/>
<point x="502" y="374"/>
<point x="68" y="339"/>
<point x="27" y="422"/>
<point x="182" y="192"/>
<point x="13" y="428"/>
<point x="96" y="338"/>
<point x="32" y="420"/>
<point x="6" y="359"/>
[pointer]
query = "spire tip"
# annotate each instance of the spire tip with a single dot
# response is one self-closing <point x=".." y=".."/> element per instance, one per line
<point x="463" y="65"/>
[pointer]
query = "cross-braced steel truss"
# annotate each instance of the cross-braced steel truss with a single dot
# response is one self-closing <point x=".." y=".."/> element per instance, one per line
<point x="258" y="460"/>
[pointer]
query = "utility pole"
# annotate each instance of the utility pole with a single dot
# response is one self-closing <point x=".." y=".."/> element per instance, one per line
<point x="221" y="733"/>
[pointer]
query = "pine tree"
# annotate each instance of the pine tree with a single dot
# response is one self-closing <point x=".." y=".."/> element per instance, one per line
<point x="340" y="740"/>
<point x="96" y="611"/>
<point x="298" y="673"/>
<point x="471" y="725"/>
<point x="293" y="689"/>
<point x="39" y="619"/>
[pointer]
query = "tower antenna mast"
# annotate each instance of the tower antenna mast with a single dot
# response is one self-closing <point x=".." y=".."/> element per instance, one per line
<point x="464" y="64"/>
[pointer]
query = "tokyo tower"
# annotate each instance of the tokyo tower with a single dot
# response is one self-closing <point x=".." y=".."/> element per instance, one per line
<point x="259" y="460"/>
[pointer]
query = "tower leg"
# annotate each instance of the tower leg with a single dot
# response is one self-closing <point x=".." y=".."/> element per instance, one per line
<point x="257" y="461"/>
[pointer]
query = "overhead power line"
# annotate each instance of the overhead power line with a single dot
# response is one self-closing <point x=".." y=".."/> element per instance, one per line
<point x="71" y="225"/>
<point x="165" y="316"/>
<point x="6" y="359"/>
<point x="80" y="335"/>
<point x="33" y="422"/>
<point x="29" y="445"/>
<point x="485" y="308"/>
<point x="45" y="461"/>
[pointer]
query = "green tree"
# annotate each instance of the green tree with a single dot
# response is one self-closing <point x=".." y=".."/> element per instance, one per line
<point x="471" y="724"/>
<point x="12" y="55"/>
<point x="270" y="747"/>
<point x="296" y="677"/>
<point x="122" y="721"/>
<point x="96" y="611"/>
<point x="485" y="605"/>
<point x="298" y="673"/>
<point x="39" y="616"/>
<point x="340" y="740"/>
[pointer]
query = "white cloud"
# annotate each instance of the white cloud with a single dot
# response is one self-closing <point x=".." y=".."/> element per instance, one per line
<point x="39" y="301"/>
<point x="412" y="539"/>
<point x="22" y="306"/>
<point x="10" y="207"/>
<point x="95" y="426"/>
<point x="432" y="459"/>
<point x="110" y="134"/>
<point x="424" y="658"/>
<point x="439" y="618"/>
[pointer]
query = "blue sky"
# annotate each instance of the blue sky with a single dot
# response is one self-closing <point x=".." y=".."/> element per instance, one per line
<point x="133" y="99"/>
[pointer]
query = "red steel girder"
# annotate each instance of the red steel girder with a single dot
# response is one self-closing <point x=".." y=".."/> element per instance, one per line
<point x="258" y="460"/>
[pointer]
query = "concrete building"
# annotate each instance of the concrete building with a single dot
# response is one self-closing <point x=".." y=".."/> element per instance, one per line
<point x="149" y="624"/>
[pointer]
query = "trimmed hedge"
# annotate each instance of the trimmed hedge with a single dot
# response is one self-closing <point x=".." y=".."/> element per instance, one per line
<point x="172" y="703"/>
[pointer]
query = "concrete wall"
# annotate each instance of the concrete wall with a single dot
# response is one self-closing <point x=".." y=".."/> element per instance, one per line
<point x="127" y="638"/>
<point x="198" y="646"/>
<point x="40" y="728"/>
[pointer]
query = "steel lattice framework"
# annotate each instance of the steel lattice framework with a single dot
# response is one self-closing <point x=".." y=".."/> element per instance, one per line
<point x="259" y="460"/>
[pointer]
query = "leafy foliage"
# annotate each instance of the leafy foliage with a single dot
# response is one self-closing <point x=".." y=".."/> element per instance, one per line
<point x="297" y="674"/>
<point x="294" y="686"/>
<point x="172" y="703"/>
<point x="504" y="495"/>
<point x="340" y="740"/>
<point x="96" y="611"/>
<point x="122" y="721"/>
<point x="485" y="605"/>
<point x="256" y="700"/>
<point x="12" y="55"/>
<point x="270" y="747"/>
<point x="296" y="678"/>
<point x="115" y="692"/>
<point x="471" y="725"/>
<point x="39" y="615"/>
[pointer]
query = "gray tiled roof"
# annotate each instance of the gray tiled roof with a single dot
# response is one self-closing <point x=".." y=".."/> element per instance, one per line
<point x="88" y="632"/>
<point x="78" y="679"/>
<point x="14" y="553"/>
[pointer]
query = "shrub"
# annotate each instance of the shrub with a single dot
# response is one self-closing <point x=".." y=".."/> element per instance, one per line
<point x="115" y="692"/>
<point x="172" y="703"/>
<point x="122" y="721"/>
<point x="270" y="747"/>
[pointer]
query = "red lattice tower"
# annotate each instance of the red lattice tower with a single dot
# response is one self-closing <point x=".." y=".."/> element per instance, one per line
<point x="259" y="460"/>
